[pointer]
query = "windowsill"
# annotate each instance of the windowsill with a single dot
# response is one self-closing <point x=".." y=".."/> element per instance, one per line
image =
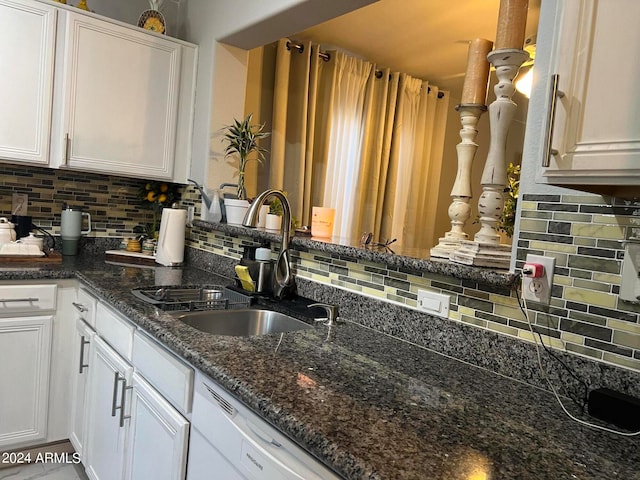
<point x="404" y="262"/>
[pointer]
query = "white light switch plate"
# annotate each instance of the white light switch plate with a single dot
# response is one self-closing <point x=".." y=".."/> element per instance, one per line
<point x="435" y="303"/>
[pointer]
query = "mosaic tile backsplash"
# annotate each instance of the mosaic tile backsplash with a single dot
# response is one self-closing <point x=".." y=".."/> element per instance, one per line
<point x="113" y="202"/>
<point x="583" y="233"/>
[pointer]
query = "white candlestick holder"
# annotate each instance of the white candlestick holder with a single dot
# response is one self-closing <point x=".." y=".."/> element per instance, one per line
<point x="486" y="250"/>
<point x="460" y="210"/>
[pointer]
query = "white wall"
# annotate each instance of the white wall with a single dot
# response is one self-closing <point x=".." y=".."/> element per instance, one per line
<point x="129" y="11"/>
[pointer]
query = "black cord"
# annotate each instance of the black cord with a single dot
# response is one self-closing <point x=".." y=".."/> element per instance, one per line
<point x="582" y="403"/>
<point x="53" y="241"/>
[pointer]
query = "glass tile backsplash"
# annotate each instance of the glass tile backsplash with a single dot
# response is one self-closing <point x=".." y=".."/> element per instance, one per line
<point x="583" y="232"/>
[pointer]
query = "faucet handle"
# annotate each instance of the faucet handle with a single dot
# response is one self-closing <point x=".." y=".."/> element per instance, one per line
<point x="332" y="313"/>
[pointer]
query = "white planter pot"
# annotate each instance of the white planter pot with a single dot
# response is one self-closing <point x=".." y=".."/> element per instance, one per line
<point x="236" y="210"/>
<point x="273" y="222"/>
<point x="262" y="217"/>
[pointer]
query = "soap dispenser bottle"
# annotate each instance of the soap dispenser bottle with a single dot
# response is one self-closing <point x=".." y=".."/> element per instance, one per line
<point x="215" y="212"/>
<point x="265" y="269"/>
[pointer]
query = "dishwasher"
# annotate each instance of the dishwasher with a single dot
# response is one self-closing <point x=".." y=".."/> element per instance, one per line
<point x="230" y="442"/>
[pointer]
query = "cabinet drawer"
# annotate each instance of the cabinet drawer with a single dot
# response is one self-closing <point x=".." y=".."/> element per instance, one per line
<point x="115" y="330"/>
<point x="86" y="307"/>
<point x="170" y="376"/>
<point x="27" y="298"/>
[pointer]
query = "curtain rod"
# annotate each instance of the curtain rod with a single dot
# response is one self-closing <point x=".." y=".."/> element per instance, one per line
<point x="326" y="57"/>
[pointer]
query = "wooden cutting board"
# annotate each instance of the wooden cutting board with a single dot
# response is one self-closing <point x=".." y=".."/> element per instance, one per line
<point x="124" y="256"/>
<point x="52" y="257"/>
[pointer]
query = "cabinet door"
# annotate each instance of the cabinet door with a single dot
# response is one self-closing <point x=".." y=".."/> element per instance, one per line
<point x="84" y="340"/>
<point x="597" y="133"/>
<point x="27" y="36"/>
<point x="120" y="99"/>
<point x="157" y="436"/>
<point x="105" y="434"/>
<point x="25" y="343"/>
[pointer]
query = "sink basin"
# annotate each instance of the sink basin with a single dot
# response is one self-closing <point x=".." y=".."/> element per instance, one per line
<point x="241" y="322"/>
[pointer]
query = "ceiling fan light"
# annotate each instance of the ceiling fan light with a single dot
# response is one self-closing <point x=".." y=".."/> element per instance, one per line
<point x="524" y="83"/>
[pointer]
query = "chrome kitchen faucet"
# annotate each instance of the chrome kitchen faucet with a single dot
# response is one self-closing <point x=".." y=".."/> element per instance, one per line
<point x="283" y="278"/>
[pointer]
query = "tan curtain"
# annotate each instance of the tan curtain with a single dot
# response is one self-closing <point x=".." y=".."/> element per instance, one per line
<point x="366" y="142"/>
<point x="344" y="155"/>
<point x="379" y="114"/>
<point x="296" y="137"/>
<point x="410" y="198"/>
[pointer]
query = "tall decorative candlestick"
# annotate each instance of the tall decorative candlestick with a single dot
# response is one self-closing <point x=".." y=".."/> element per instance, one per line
<point x="476" y="77"/>
<point x="507" y="58"/>
<point x="460" y="210"/>
<point x="486" y="249"/>
<point x="472" y="106"/>
<point x="512" y="22"/>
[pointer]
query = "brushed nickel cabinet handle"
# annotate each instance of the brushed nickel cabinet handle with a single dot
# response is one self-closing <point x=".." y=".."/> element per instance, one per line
<point x="123" y="397"/>
<point x="554" y="95"/>
<point x="116" y="379"/>
<point x="80" y="307"/>
<point x="122" y="402"/>
<point x="14" y="300"/>
<point x="82" y="365"/>
<point x="67" y="147"/>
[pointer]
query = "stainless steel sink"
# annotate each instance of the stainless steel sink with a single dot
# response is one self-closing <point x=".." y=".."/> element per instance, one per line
<point x="241" y="322"/>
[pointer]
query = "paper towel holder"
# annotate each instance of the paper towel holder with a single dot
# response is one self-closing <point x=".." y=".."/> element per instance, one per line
<point x="171" y="238"/>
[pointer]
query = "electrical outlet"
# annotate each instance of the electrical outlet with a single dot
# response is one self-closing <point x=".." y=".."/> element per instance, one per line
<point x="436" y="303"/>
<point x="539" y="289"/>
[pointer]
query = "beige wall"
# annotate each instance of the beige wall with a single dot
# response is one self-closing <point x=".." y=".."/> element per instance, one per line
<point x="224" y="37"/>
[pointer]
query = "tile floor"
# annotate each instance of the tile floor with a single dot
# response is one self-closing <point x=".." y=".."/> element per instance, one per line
<point x="44" y="471"/>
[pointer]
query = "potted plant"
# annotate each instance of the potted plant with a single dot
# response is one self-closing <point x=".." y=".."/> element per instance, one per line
<point x="155" y="196"/>
<point x="273" y="219"/>
<point x="242" y="139"/>
<point x="508" y="218"/>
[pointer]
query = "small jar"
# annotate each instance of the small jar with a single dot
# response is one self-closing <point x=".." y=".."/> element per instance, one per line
<point x="149" y="246"/>
<point x="133" y="245"/>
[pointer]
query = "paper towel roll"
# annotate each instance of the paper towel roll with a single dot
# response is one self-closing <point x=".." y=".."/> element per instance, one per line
<point x="171" y="238"/>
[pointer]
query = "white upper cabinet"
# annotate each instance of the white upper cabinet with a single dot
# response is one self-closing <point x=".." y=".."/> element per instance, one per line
<point x="27" y="36"/>
<point x="83" y="92"/>
<point x="596" y="55"/>
<point x="117" y="99"/>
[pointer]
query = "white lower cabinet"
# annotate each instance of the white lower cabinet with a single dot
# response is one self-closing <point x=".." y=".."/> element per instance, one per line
<point x="105" y="410"/>
<point x="25" y="343"/>
<point x="83" y="343"/>
<point x="157" y="436"/>
<point x="124" y="426"/>
<point x="27" y="317"/>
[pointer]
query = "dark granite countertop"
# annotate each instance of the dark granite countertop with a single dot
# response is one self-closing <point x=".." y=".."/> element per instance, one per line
<point x="368" y="405"/>
<point x="406" y="259"/>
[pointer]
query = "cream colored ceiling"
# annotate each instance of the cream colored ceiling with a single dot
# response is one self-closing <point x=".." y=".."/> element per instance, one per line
<point x="426" y="38"/>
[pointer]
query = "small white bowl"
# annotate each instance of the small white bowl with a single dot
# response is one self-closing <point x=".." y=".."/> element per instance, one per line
<point x="33" y="240"/>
